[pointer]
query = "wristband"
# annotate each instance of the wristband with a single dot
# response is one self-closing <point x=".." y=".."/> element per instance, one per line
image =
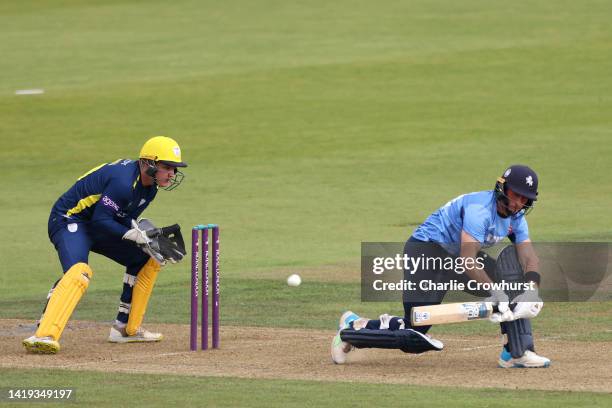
<point x="532" y="276"/>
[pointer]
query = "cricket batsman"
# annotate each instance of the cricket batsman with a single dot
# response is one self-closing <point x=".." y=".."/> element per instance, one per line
<point x="98" y="213"/>
<point x="460" y="229"/>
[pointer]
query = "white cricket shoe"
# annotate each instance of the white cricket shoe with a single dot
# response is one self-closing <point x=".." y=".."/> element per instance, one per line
<point x="339" y="348"/>
<point x="528" y="360"/>
<point x="119" y="335"/>
<point x="41" y="345"/>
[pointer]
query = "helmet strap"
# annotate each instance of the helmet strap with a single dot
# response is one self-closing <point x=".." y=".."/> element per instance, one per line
<point x="151" y="168"/>
<point x="501" y="195"/>
<point x="151" y="171"/>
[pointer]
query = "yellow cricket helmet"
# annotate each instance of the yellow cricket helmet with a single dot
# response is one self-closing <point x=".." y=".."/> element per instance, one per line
<point x="162" y="149"/>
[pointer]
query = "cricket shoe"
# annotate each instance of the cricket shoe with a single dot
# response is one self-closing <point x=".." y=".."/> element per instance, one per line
<point x="528" y="360"/>
<point x="339" y="348"/>
<point x="119" y="335"/>
<point x="41" y="345"/>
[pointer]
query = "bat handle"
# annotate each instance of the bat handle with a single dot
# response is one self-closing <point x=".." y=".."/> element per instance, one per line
<point x="496" y="310"/>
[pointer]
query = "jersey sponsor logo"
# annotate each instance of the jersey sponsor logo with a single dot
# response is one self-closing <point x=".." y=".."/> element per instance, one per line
<point x="73" y="227"/>
<point x="142" y="201"/>
<point x="110" y="203"/>
<point x="492" y="239"/>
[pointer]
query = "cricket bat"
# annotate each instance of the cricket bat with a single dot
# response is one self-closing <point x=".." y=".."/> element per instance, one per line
<point x="450" y="313"/>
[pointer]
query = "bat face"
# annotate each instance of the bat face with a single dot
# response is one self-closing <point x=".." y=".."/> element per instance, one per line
<point x="450" y="313"/>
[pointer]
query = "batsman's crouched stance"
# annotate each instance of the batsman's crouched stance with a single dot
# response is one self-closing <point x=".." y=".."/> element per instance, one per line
<point x="98" y="214"/>
<point x="460" y="229"/>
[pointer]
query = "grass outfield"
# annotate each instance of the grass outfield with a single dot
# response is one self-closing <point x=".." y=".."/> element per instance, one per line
<point x="145" y="390"/>
<point x="309" y="127"/>
<point x="315" y="305"/>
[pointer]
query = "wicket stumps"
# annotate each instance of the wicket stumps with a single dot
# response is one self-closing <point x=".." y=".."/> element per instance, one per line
<point x="195" y="284"/>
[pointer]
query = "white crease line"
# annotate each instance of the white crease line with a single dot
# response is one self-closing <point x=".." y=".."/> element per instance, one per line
<point x="460" y="338"/>
<point x="112" y="360"/>
<point x="479" y="347"/>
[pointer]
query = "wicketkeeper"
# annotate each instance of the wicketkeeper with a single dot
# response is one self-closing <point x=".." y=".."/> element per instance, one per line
<point x="461" y="228"/>
<point x="98" y="213"/>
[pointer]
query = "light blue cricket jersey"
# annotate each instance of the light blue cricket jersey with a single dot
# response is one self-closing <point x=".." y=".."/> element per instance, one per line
<point x="476" y="213"/>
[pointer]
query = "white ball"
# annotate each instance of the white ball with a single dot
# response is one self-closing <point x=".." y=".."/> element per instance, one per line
<point x="294" y="280"/>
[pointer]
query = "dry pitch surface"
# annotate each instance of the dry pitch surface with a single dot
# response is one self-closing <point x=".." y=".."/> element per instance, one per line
<point x="255" y="352"/>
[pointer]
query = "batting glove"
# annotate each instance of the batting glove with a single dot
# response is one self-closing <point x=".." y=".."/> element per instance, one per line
<point x="528" y="304"/>
<point x="500" y="299"/>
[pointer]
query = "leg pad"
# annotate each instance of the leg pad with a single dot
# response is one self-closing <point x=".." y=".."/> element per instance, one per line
<point x="64" y="299"/>
<point x="520" y="338"/>
<point x="408" y="340"/>
<point x="145" y="280"/>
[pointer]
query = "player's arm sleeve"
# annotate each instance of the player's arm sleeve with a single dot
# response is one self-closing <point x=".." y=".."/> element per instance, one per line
<point x="139" y="211"/>
<point x="520" y="230"/>
<point x="126" y="221"/>
<point x="473" y="222"/>
<point x="114" y="197"/>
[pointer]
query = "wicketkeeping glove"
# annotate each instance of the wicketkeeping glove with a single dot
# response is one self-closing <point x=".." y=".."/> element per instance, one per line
<point x="169" y="243"/>
<point x="136" y="234"/>
<point x="165" y="244"/>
